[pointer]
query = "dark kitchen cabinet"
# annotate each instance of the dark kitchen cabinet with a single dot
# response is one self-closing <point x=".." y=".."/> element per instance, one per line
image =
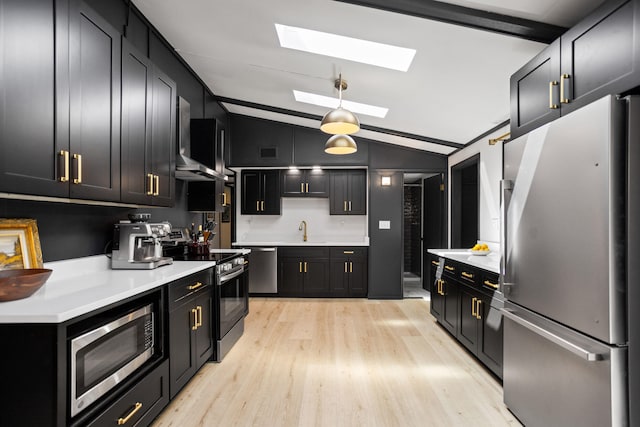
<point x="190" y="327"/>
<point x="308" y="150"/>
<point x="305" y="183"/>
<point x="349" y="272"/>
<point x="207" y="147"/>
<point x="598" y="56"/>
<point x="148" y="131"/>
<point x="348" y="192"/>
<point x="260" y="192"/>
<point x="257" y="142"/>
<point x="303" y="272"/>
<point x="60" y="115"/>
<point x="92" y="162"/>
<point x="437" y="300"/>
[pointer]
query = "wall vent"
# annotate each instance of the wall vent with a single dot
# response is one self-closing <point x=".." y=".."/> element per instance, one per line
<point x="268" y="152"/>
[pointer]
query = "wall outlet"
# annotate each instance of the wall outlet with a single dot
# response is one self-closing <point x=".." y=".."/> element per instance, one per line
<point x="384" y="225"/>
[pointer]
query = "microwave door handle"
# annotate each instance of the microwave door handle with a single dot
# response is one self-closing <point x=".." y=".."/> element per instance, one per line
<point x="225" y="279"/>
<point x="556" y="339"/>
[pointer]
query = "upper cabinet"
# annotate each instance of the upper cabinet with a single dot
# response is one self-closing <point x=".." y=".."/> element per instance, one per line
<point x="348" y="192"/>
<point x="148" y="131"/>
<point x="305" y="183"/>
<point x="60" y="115"/>
<point x="260" y="192"/>
<point x="259" y="142"/>
<point x="207" y="147"/>
<point x="308" y="150"/>
<point x="599" y="56"/>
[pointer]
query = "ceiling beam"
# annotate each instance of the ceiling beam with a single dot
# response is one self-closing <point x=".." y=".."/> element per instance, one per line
<point x="285" y="111"/>
<point x="468" y="17"/>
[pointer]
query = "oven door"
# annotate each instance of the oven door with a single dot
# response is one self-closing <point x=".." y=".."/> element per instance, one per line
<point x="232" y="298"/>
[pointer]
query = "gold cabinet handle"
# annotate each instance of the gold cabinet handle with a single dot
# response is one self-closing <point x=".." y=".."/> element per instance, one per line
<point x="345" y="206"/>
<point x="156" y="180"/>
<point x="564" y="77"/>
<point x="195" y="286"/>
<point x="436" y="263"/>
<point x="78" y="158"/>
<point x="195" y="319"/>
<point x="136" y="408"/>
<point x="441" y="287"/>
<point x="345" y="266"/>
<point x="307" y="189"/>
<point x="305" y="266"/>
<point x="349" y="205"/>
<point x="199" y="310"/>
<point x="478" y="303"/>
<point x="552" y="106"/>
<point x="467" y="275"/>
<point x="262" y="206"/>
<point x="347" y="252"/>
<point x="65" y="157"/>
<point x="302" y="187"/>
<point x="491" y="285"/>
<point x="300" y="265"/>
<point x="257" y="205"/>
<point x="224" y="199"/>
<point x="473" y="307"/>
<point x="350" y="267"/>
<point x="449" y="268"/>
<point x="149" y="184"/>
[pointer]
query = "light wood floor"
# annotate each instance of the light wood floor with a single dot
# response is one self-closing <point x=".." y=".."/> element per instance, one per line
<point x="341" y="362"/>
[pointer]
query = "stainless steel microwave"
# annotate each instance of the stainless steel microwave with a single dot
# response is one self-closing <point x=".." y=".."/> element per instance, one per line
<point x="103" y="357"/>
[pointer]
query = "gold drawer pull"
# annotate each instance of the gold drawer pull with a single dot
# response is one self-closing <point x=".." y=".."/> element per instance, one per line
<point x="78" y="180"/>
<point x="307" y="186"/>
<point x="479" y="302"/>
<point x="302" y="187"/>
<point x="473" y="307"/>
<point x="345" y="267"/>
<point x="195" y="286"/>
<point x="65" y="156"/>
<point x="552" y="106"/>
<point x="199" y="309"/>
<point x="195" y="319"/>
<point x="467" y="275"/>
<point x="262" y="206"/>
<point x="449" y="268"/>
<point x="563" y="100"/>
<point x="150" y="184"/>
<point x="136" y="408"/>
<point x="156" y="180"/>
<point x="347" y="252"/>
<point x="350" y="267"/>
<point x="436" y="263"/>
<point x="491" y="285"/>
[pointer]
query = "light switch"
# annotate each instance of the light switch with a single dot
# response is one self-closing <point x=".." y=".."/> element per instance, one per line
<point x="384" y="225"/>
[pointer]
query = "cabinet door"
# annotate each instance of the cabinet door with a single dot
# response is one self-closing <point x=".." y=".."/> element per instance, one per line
<point x="34" y="93"/>
<point x="468" y="328"/>
<point x="94" y="114"/>
<point x="535" y="91"/>
<point x="338" y="196"/>
<point x="490" y="341"/>
<point x="290" y="271"/>
<point x="204" y="333"/>
<point x="251" y="195"/>
<point x="163" y="138"/>
<point x="339" y="280"/>
<point x="358" y="284"/>
<point x="136" y="177"/>
<point x="450" y="306"/>
<point x="316" y="183"/>
<point x="316" y="277"/>
<point x="357" y="192"/>
<point x="182" y="360"/>
<point x="600" y="55"/>
<point x="270" y="193"/>
<point x="293" y="183"/>
<point x="436" y="308"/>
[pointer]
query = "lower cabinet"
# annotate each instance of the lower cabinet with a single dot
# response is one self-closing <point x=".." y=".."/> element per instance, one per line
<point x="141" y="404"/>
<point x="349" y="272"/>
<point x="190" y="327"/>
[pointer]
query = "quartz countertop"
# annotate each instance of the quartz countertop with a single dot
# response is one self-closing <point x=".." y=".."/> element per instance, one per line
<point x="490" y="262"/>
<point x="79" y="286"/>
<point x="301" y="243"/>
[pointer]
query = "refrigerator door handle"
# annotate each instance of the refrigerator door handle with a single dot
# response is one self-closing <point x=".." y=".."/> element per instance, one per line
<point x="558" y="340"/>
<point x="506" y="186"/>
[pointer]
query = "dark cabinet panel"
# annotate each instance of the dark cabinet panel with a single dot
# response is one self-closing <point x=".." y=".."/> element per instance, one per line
<point x="258" y="142"/>
<point x="316" y="277"/>
<point x="303" y="272"/>
<point x="163" y="138"/>
<point x="290" y="270"/>
<point x="94" y="106"/>
<point x="34" y="92"/>
<point x="305" y="183"/>
<point x="348" y="192"/>
<point x="437" y="300"/>
<point x="349" y="272"/>
<point x="598" y="56"/>
<point x="260" y="192"/>
<point x="449" y="289"/>
<point x="468" y="330"/>
<point x="207" y="147"/>
<point x="204" y="344"/>
<point x="309" y="150"/>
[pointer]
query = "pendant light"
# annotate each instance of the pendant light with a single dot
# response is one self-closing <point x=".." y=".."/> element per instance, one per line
<point x="340" y="121"/>
<point x="340" y="144"/>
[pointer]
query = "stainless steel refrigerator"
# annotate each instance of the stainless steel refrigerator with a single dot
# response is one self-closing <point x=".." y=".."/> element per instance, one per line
<point x="569" y="271"/>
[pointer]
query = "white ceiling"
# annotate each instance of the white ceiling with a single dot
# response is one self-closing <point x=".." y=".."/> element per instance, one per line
<point x="456" y="89"/>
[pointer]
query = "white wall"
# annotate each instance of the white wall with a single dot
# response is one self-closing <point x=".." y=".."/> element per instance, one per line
<point x="490" y="175"/>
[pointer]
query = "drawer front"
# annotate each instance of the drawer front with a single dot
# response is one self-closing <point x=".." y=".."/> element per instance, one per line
<point x="140" y="405"/>
<point x="304" y="251"/>
<point x="468" y="275"/>
<point x="348" y="252"/>
<point x="489" y="281"/>
<point x="451" y="268"/>
<point x="188" y="285"/>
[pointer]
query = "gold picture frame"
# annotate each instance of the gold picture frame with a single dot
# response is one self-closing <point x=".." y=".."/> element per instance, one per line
<point x="19" y="244"/>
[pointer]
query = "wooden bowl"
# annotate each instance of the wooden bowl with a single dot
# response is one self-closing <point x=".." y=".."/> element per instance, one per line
<point x="22" y="282"/>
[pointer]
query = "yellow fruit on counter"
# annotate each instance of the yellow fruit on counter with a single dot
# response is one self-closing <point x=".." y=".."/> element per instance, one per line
<point x="476" y="247"/>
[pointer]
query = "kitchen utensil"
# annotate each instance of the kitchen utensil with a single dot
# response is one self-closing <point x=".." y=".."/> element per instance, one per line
<point x="21" y="282"/>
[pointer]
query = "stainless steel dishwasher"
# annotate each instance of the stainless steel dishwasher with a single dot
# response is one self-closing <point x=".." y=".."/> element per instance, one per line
<point x="264" y="270"/>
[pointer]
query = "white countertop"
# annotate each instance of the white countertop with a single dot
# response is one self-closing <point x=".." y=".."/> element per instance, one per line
<point x="300" y="243"/>
<point x="490" y="262"/>
<point x="79" y="286"/>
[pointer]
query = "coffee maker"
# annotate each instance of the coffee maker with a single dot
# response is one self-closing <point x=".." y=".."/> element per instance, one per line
<point x="137" y="245"/>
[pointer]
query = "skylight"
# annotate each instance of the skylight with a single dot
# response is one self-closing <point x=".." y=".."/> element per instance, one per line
<point x="367" y="52"/>
<point x="327" y="101"/>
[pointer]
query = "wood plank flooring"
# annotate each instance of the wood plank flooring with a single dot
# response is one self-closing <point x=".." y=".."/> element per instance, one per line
<point x="341" y="362"/>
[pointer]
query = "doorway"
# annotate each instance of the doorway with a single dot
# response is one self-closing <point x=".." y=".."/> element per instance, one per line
<point x="423" y="228"/>
<point x="465" y="197"/>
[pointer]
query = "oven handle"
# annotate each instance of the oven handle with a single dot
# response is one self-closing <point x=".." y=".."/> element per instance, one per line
<point x="233" y="275"/>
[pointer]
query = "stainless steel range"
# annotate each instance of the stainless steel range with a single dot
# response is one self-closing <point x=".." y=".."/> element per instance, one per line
<point x="232" y="302"/>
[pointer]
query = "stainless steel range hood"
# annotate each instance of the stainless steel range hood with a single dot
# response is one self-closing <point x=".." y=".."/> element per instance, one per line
<point x="188" y="169"/>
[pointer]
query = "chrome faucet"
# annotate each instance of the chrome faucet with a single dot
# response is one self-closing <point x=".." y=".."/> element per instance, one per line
<point x="303" y="224"/>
